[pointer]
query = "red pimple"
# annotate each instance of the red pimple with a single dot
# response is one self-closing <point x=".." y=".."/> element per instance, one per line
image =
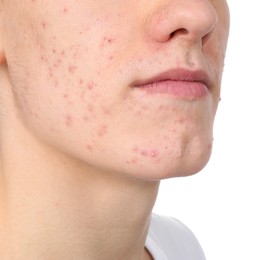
<point x="90" y="85"/>
<point x="135" y="149"/>
<point x="133" y="161"/>
<point x="89" y="147"/>
<point x="149" y="153"/>
<point x="106" y="110"/>
<point x="175" y="109"/>
<point x="90" y="108"/>
<point x="108" y="39"/>
<point x="144" y="108"/>
<point x="72" y="68"/>
<point x="144" y="152"/>
<point x="154" y="153"/>
<point x="57" y="63"/>
<point x="138" y="113"/>
<point x="68" y="120"/>
<point x="36" y="115"/>
<point x="50" y="73"/>
<point x="55" y="83"/>
<point x="180" y="121"/>
<point x="85" y="119"/>
<point x="43" y="24"/>
<point x="103" y="130"/>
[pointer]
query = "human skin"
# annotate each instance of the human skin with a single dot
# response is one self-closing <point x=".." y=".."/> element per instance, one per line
<point x="76" y="122"/>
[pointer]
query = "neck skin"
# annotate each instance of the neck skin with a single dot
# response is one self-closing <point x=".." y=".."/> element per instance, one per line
<point x="53" y="207"/>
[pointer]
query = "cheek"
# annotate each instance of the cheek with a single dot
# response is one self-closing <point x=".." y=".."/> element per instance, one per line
<point x="56" y="94"/>
<point x="60" y="86"/>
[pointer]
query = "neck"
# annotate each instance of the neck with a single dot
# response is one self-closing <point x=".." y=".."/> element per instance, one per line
<point x="65" y="209"/>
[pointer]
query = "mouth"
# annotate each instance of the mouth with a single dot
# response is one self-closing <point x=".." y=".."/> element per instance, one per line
<point x="180" y="83"/>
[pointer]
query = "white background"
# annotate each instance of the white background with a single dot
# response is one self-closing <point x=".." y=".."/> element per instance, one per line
<point x="229" y="205"/>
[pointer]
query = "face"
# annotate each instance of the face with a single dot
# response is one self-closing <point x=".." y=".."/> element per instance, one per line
<point x="131" y="88"/>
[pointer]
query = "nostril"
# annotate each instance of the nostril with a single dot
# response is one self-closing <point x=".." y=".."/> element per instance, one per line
<point x="181" y="31"/>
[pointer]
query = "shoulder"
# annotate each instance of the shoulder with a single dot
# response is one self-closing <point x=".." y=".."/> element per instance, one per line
<point x="173" y="239"/>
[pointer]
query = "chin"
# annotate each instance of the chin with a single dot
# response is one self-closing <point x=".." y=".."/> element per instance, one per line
<point x="171" y="166"/>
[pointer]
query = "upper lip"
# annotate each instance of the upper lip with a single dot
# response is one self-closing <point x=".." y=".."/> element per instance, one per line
<point x="176" y="75"/>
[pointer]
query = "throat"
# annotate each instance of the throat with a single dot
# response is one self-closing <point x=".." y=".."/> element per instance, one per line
<point x="78" y="218"/>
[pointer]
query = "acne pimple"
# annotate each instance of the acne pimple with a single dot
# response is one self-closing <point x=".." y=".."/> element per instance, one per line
<point x="90" y="107"/>
<point x="42" y="58"/>
<point x="135" y="149"/>
<point x="65" y="10"/>
<point x="103" y="130"/>
<point x="149" y="153"/>
<point x="68" y="120"/>
<point x="164" y="108"/>
<point x="57" y="63"/>
<point x="85" y="118"/>
<point x="90" y="85"/>
<point x="50" y="73"/>
<point x="43" y="24"/>
<point x="175" y="109"/>
<point x="55" y="83"/>
<point x="106" y="110"/>
<point x="152" y="153"/>
<point x="106" y="40"/>
<point x="89" y="147"/>
<point x="72" y="69"/>
<point x="36" y="115"/>
<point x="144" y="152"/>
<point x="139" y="113"/>
<point x="180" y="121"/>
<point x="133" y="161"/>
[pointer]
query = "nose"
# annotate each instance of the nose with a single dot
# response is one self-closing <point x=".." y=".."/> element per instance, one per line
<point x="193" y="20"/>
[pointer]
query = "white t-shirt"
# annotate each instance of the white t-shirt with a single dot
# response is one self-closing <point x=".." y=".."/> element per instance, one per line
<point x="169" y="239"/>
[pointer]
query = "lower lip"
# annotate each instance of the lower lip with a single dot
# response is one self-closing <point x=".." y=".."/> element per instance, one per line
<point x="181" y="89"/>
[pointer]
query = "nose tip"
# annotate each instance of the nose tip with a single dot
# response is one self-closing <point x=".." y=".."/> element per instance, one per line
<point x="192" y="20"/>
